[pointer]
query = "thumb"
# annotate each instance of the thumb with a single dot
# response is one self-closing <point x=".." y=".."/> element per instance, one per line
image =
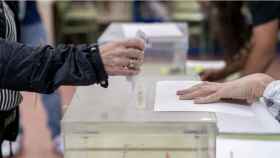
<point x="208" y="99"/>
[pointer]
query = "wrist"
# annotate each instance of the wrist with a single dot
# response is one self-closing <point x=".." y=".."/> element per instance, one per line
<point x="101" y="74"/>
<point x="263" y="81"/>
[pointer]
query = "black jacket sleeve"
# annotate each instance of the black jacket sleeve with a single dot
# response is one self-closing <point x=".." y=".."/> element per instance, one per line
<point x="264" y="11"/>
<point x="44" y="69"/>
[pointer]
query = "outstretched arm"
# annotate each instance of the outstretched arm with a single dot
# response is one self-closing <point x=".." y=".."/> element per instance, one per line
<point x="44" y="69"/>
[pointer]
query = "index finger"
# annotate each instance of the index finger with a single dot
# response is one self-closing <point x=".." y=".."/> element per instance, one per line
<point x="136" y="43"/>
<point x="192" y="89"/>
<point x="208" y="99"/>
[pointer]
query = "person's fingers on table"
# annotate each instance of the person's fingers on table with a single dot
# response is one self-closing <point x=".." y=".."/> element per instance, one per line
<point x="205" y="91"/>
<point x="136" y="43"/>
<point x="189" y="90"/>
<point x="192" y="89"/>
<point x="212" y="98"/>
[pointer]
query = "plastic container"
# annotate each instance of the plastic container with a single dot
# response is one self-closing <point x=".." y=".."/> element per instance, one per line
<point x="102" y="123"/>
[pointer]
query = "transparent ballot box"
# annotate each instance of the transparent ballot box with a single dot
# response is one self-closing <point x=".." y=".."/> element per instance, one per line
<point x="102" y="123"/>
<point x="167" y="44"/>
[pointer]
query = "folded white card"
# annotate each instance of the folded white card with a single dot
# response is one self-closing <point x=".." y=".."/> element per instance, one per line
<point x="167" y="100"/>
<point x="152" y="30"/>
<point x="206" y="64"/>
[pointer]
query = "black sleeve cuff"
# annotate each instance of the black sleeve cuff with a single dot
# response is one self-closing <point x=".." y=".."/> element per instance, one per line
<point x="102" y="76"/>
<point x="263" y="11"/>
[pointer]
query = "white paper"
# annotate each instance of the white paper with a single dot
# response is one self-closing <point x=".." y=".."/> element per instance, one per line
<point x="166" y="100"/>
<point x="219" y="64"/>
<point x="262" y="123"/>
<point x="235" y="148"/>
<point x="152" y="30"/>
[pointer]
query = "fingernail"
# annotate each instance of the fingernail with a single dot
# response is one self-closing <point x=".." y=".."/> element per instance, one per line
<point x="180" y="93"/>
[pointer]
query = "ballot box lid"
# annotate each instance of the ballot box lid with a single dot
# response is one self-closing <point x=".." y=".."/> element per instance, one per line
<point x="117" y="31"/>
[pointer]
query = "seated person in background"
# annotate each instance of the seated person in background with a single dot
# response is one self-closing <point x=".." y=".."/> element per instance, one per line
<point x="151" y="11"/>
<point x="248" y="88"/>
<point x="247" y="49"/>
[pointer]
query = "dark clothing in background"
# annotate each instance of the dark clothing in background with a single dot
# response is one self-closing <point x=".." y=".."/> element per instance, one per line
<point x="9" y="124"/>
<point x="31" y="13"/>
<point x="264" y="11"/>
<point x="14" y="6"/>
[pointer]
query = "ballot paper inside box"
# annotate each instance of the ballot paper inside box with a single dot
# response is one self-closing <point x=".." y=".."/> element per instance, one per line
<point x="168" y="43"/>
<point x="108" y="122"/>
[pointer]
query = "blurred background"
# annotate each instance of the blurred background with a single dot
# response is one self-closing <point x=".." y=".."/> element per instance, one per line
<point x="85" y="21"/>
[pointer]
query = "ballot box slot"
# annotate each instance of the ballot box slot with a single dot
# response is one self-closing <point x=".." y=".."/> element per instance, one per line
<point x="139" y="149"/>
